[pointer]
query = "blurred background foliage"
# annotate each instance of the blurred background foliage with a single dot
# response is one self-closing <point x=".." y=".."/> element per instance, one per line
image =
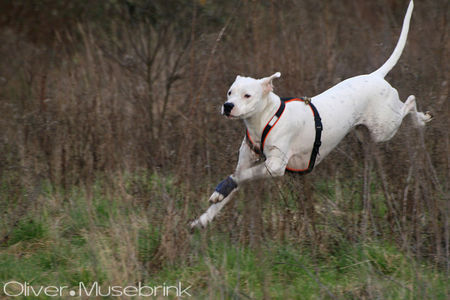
<point x="110" y="127"/>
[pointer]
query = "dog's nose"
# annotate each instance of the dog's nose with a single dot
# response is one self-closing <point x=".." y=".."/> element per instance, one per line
<point x="227" y="107"/>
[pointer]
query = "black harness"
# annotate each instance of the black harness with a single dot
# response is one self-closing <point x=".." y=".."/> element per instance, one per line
<point x="318" y="124"/>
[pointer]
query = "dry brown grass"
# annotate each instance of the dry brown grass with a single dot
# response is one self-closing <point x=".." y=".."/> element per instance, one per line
<point x="100" y="102"/>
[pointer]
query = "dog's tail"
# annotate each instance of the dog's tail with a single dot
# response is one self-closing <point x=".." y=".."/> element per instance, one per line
<point x="390" y="63"/>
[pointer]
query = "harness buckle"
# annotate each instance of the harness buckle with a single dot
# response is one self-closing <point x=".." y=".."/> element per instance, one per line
<point x="306" y="99"/>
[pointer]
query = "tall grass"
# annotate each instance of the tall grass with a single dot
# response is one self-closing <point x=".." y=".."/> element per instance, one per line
<point x="111" y="142"/>
<point x="112" y="238"/>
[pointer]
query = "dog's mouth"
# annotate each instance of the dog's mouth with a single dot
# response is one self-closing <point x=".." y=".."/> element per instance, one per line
<point x="231" y="117"/>
<point x="228" y="115"/>
<point x="244" y="115"/>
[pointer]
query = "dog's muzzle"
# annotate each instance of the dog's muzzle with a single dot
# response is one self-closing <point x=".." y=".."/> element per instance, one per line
<point x="227" y="107"/>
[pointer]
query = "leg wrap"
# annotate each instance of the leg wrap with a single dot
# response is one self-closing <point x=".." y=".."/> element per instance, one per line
<point x="225" y="187"/>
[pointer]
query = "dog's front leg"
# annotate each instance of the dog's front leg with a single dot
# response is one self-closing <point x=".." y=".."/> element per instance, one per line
<point x="246" y="170"/>
<point x="274" y="166"/>
<point x="247" y="158"/>
<point x="211" y="212"/>
<point x="227" y="188"/>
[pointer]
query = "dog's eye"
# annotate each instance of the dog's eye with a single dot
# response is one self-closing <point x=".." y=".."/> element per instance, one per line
<point x="229" y="93"/>
<point x="247" y="96"/>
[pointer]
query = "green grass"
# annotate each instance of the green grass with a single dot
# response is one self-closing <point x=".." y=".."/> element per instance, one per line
<point x="114" y="238"/>
<point x="372" y="270"/>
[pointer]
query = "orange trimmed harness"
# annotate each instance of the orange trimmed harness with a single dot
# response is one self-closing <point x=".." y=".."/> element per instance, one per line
<point x="273" y="121"/>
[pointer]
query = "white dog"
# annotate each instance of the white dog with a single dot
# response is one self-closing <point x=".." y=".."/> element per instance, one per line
<point x="286" y="135"/>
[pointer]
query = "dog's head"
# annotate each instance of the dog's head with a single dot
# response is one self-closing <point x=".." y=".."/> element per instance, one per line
<point x="246" y="95"/>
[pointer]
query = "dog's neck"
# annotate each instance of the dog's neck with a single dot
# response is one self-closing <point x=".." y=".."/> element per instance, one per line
<point x="266" y="109"/>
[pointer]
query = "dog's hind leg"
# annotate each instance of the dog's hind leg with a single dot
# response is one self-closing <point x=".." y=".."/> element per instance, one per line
<point x="384" y="124"/>
<point x="419" y="118"/>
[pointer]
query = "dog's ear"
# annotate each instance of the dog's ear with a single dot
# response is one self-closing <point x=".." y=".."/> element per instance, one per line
<point x="267" y="82"/>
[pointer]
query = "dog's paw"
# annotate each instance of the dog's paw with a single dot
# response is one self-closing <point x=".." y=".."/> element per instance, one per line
<point x="216" y="197"/>
<point x="195" y="225"/>
<point x="428" y="116"/>
<point x="422" y="119"/>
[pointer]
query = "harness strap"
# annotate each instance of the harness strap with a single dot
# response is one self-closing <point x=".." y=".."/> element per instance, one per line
<point x="266" y="130"/>
<point x="271" y="124"/>
<point x="317" y="141"/>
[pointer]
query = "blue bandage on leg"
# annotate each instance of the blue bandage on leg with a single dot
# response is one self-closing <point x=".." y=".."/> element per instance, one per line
<point x="226" y="186"/>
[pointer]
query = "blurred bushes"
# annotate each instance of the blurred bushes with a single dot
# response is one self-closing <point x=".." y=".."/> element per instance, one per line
<point x="98" y="89"/>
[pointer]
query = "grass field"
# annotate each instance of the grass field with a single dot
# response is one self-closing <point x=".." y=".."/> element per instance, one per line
<point x="108" y="236"/>
<point x="111" y="142"/>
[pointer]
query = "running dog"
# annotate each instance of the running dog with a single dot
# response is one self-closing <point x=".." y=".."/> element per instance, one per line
<point x="286" y="134"/>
